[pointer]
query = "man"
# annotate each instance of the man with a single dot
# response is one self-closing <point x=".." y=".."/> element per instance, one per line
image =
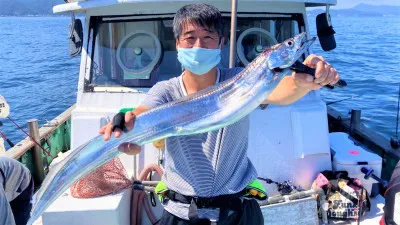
<point x="212" y="166"/>
<point x="16" y="189"/>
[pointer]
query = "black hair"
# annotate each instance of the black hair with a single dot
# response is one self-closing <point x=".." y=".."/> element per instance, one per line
<point x="201" y="14"/>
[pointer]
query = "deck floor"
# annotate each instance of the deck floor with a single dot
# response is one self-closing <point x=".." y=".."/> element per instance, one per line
<point x="372" y="218"/>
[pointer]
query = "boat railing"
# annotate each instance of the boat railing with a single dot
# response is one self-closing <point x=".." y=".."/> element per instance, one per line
<point x="53" y="137"/>
<point x="368" y="137"/>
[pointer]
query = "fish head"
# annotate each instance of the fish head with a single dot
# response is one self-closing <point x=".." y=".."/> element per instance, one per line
<point x="286" y="53"/>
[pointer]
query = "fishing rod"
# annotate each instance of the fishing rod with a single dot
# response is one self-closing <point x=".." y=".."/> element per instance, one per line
<point x="4" y="113"/>
<point x="340" y="100"/>
<point x="5" y="137"/>
<point x="284" y="188"/>
<point x="299" y="67"/>
<point x="32" y="139"/>
<point x="394" y="141"/>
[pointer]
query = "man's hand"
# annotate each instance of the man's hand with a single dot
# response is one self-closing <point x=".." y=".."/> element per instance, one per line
<point x="128" y="148"/>
<point x="107" y="129"/>
<point x="324" y="74"/>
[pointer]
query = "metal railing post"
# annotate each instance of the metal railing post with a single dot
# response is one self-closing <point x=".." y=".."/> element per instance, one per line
<point x="37" y="159"/>
<point x="355" y="121"/>
<point x="232" y="52"/>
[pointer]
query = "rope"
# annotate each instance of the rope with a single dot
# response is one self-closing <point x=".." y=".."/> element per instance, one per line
<point x="44" y="150"/>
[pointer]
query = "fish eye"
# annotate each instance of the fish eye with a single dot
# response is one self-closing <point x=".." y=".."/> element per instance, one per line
<point x="289" y="43"/>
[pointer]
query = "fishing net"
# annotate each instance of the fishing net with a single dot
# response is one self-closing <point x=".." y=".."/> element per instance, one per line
<point x="107" y="179"/>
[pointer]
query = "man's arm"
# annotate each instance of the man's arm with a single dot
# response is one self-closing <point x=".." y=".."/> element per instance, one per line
<point x="154" y="97"/>
<point x="292" y="88"/>
<point x="286" y="92"/>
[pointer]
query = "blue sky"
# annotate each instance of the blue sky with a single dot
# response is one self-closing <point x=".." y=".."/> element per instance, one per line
<point x="343" y="4"/>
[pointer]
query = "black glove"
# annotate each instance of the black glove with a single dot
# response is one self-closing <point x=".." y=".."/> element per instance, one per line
<point x="119" y="121"/>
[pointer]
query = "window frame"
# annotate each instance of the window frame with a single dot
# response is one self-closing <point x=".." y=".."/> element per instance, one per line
<point x="97" y="21"/>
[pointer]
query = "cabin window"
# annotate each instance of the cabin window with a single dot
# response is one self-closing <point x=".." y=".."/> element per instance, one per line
<point x="138" y="52"/>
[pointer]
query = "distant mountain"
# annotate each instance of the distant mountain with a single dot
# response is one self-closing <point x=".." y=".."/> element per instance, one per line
<point x="45" y="7"/>
<point x="361" y="10"/>
<point x="384" y="9"/>
<point x="27" y="7"/>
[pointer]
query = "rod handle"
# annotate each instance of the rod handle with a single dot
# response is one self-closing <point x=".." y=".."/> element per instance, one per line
<point x="301" y="68"/>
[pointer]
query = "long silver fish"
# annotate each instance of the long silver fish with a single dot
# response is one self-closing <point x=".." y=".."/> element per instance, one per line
<point x="204" y="111"/>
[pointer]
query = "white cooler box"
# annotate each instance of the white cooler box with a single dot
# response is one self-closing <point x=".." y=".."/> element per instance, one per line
<point x="350" y="157"/>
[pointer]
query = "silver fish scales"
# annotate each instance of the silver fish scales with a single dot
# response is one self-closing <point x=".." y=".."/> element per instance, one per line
<point x="210" y="109"/>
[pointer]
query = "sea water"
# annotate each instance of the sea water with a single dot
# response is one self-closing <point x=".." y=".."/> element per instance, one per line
<point x="38" y="78"/>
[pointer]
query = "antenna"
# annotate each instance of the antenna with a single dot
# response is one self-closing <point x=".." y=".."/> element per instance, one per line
<point x="394" y="141"/>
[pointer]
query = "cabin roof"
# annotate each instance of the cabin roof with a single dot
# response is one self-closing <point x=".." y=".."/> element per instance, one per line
<point x="82" y="5"/>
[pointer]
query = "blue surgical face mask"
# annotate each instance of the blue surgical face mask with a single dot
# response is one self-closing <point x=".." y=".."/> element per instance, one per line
<point x="199" y="60"/>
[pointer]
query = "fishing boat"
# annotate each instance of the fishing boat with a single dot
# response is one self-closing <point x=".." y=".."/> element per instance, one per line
<point x="127" y="46"/>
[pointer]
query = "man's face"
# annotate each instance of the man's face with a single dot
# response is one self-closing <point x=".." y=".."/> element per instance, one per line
<point x="196" y="36"/>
